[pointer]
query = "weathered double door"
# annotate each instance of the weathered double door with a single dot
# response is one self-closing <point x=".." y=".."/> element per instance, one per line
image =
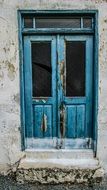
<point x="58" y="72"/>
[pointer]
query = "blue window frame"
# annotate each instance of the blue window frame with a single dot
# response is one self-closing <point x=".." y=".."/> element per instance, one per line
<point x="35" y="28"/>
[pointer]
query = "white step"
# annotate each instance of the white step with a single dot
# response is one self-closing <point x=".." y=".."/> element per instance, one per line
<point x="59" y="154"/>
<point x="58" y="158"/>
<point x="28" y="163"/>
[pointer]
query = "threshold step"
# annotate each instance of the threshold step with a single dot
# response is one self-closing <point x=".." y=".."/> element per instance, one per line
<point x="59" y="154"/>
<point x="28" y="163"/>
<point x="61" y="170"/>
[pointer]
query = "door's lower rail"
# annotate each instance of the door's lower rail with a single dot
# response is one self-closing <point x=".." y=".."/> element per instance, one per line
<point x="51" y="143"/>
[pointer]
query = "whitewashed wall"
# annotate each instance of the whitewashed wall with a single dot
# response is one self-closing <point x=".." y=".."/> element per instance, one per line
<point x="10" y="138"/>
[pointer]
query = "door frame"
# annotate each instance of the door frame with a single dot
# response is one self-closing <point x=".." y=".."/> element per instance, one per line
<point x="22" y="32"/>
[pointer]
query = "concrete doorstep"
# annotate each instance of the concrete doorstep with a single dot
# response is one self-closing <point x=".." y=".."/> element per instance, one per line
<point x="80" y="167"/>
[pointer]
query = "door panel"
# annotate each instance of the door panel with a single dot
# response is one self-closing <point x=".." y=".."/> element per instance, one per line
<point x="43" y="121"/>
<point x="40" y="97"/>
<point x="80" y="121"/>
<point x="75" y="121"/>
<point x="70" y="121"/>
<point x="76" y="87"/>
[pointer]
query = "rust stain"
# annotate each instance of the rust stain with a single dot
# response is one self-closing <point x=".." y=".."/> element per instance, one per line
<point x="62" y="106"/>
<point x="62" y="127"/>
<point x="62" y="120"/>
<point x="44" y="123"/>
<point x="63" y="75"/>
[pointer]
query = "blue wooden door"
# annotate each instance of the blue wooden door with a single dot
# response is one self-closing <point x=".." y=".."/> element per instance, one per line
<point x="40" y="91"/>
<point x="75" y="61"/>
<point x="58" y="91"/>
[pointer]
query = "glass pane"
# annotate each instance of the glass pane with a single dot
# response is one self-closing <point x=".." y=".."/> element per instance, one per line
<point x="87" y="22"/>
<point x="41" y="69"/>
<point x="28" y="22"/>
<point x="58" y="23"/>
<point x="75" y="68"/>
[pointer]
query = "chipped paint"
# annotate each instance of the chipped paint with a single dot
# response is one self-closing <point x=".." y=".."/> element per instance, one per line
<point x="44" y="101"/>
<point x="62" y="73"/>
<point x="44" y="123"/>
<point x="62" y="126"/>
<point x="1" y="75"/>
<point x="11" y="71"/>
<point x="16" y="98"/>
<point x="62" y="120"/>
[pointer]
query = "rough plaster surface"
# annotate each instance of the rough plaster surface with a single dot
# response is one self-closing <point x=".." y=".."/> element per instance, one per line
<point x="10" y="138"/>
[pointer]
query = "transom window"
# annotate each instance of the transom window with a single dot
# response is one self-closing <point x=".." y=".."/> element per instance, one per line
<point x="58" y="22"/>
